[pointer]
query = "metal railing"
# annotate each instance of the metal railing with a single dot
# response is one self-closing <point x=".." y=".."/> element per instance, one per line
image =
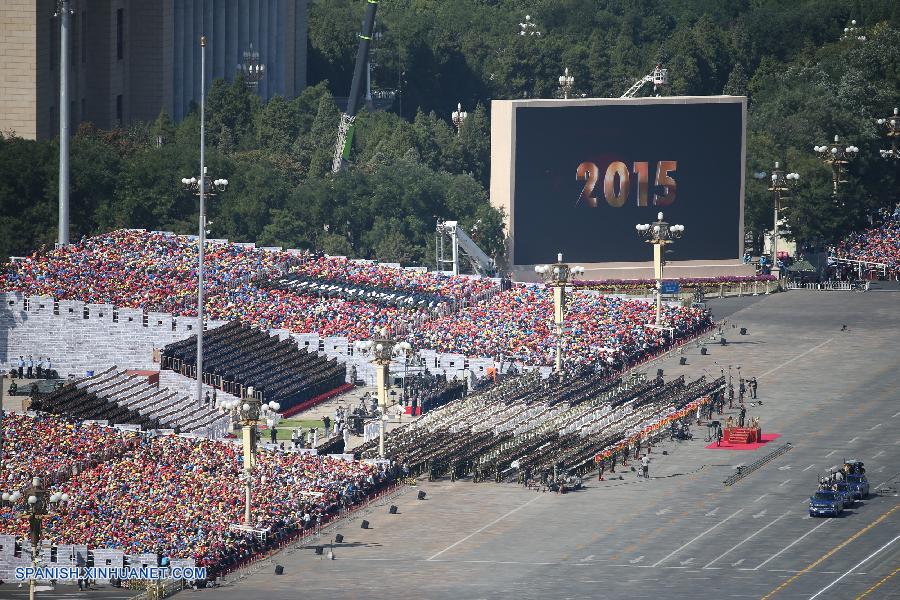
<point x="839" y="286"/>
<point x="744" y="470"/>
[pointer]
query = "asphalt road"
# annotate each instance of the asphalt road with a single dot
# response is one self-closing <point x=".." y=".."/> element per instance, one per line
<point x="831" y="393"/>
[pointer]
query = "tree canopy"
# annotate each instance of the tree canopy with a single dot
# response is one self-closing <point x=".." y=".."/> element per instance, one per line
<point x="409" y="164"/>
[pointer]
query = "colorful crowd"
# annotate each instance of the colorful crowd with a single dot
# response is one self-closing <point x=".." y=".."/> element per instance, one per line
<point x="518" y="325"/>
<point x="877" y="245"/>
<point x="155" y="271"/>
<point x="171" y="495"/>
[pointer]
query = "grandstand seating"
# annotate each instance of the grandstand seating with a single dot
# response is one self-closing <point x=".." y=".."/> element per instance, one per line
<point x="528" y="426"/>
<point x="237" y="356"/>
<point x="119" y="398"/>
<point x="80" y="337"/>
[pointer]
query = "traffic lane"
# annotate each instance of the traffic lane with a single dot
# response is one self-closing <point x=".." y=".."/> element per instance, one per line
<point x="774" y="526"/>
<point x="834" y="559"/>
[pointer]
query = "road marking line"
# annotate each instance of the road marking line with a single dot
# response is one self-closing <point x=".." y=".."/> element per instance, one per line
<point x="784" y="482"/>
<point x="798" y="357"/>
<point x="827" y="587"/>
<point x="747" y="539"/>
<point x="780" y="552"/>
<point x="809" y="467"/>
<point x="875" y="426"/>
<point x="853" y="440"/>
<point x="880" y="583"/>
<point x="828" y="554"/>
<point x="895" y="415"/>
<point x="830" y="453"/>
<point x="713" y="512"/>
<point x="880" y="452"/>
<point x="761" y="497"/>
<point x="683" y="546"/>
<point x="476" y="532"/>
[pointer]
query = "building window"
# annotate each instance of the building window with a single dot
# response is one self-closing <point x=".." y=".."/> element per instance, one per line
<point x="120" y="34"/>
<point x="83" y="37"/>
<point x="119" y="110"/>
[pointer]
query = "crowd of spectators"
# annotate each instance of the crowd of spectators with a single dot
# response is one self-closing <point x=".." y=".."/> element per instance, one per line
<point x="137" y="269"/>
<point x="364" y="273"/>
<point x="518" y="325"/>
<point x="879" y="244"/>
<point x="53" y="446"/>
<point x="171" y="495"/>
<point x="280" y="309"/>
<point x="155" y="271"/>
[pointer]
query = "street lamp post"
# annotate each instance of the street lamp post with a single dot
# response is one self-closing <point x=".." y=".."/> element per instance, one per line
<point x="249" y="412"/>
<point x="892" y="131"/>
<point x="660" y="234"/>
<point x="458" y="116"/>
<point x="557" y="277"/>
<point x="837" y="157"/>
<point x="202" y="187"/>
<point x="38" y="504"/>
<point x="782" y="184"/>
<point x="566" y="83"/>
<point x="383" y="349"/>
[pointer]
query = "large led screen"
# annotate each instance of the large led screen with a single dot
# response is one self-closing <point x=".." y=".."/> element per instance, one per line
<point x="586" y="175"/>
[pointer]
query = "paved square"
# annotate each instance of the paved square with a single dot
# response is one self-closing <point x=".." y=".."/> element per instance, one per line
<point x="830" y="393"/>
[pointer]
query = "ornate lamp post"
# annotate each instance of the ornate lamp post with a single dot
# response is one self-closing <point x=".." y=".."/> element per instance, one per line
<point x="892" y="131"/>
<point x="851" y="32"/>
<point x="782" y="184"/>
<point x="660" y="234"/>
<point x="528" y="27"/>
<point x="383" y="349"/>
<point x="251" y="67"/>
<point x="249" y="413"/>
<point x="38" y="505"/>
<point x="566" y="83"/>
<point x="458" y="116"/>
<point x="837" y="157"/>
<point x="557" y="277"/>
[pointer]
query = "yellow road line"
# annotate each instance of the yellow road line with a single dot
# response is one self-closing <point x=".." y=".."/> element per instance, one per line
<point x="830" y="552"/>
<point x="877" y="585"/>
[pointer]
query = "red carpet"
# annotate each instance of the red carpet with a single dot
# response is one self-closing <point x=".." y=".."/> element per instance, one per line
<point x="766" y="438"/>
<point x="317" y="400"/>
